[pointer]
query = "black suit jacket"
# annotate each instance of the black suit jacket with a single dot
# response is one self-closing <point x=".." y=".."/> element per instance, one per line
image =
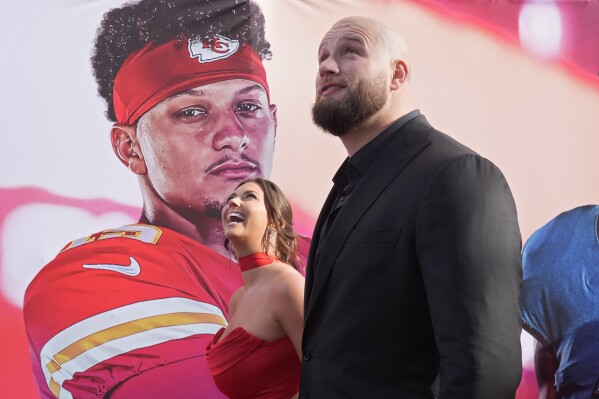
<point x="415" y="292"/>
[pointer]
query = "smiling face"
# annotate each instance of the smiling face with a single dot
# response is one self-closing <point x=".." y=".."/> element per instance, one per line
<point x="245" y="218"/>
<point x="199" y="144"/>
<point x="353" y="78"/>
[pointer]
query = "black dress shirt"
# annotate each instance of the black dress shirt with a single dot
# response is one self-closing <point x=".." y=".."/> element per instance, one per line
<point x="353" y="168"/>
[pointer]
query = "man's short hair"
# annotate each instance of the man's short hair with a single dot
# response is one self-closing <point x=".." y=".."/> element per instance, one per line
<point x="127" y="29"/>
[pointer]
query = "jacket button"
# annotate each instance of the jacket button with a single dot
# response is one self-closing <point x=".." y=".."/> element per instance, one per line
<point x="306" y="356"/>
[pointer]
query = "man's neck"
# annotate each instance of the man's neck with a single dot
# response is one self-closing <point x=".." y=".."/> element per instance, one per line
<point x="204" y="229"/>
<point x="361" y="135"/>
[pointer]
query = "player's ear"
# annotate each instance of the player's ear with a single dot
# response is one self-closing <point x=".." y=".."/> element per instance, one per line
<point x="127" y="149"/>
<point x="273" y="112"/>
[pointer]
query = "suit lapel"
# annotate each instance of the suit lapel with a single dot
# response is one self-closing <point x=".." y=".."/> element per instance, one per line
<point x="322" y="217"/>
<point x="396" y="156"/>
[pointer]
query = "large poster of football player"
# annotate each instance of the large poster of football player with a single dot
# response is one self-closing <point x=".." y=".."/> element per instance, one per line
<point x="128" y="311"/>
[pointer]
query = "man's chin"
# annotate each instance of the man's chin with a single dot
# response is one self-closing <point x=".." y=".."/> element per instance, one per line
<point x="213" y="208"/>
<point x="334" y="100"/>
<point x="330" y="120"/>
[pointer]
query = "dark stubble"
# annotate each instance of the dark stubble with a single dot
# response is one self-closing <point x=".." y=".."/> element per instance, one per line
<point x="338" y="116"/>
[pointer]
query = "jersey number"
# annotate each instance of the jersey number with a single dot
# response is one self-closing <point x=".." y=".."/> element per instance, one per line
<point x="141" y="232"/>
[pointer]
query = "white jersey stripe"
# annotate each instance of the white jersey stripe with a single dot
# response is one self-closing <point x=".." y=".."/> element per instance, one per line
<point x="123" y="315"/>
<point x="64" y="394"/>
<point x="52" y="368"/>
<point x="126" y="344"/>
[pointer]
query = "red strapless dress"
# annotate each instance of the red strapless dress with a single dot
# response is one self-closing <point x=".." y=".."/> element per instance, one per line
<point x="244" y="366"/>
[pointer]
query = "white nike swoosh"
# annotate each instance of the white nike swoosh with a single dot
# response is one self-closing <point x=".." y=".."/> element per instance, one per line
<point x="132" y="270"/>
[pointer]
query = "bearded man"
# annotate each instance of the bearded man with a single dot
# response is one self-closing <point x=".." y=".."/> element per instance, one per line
<point x="414" y="270"/>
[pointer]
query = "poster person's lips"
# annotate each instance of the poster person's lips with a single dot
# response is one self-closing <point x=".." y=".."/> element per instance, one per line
<point x="233" y="169"/>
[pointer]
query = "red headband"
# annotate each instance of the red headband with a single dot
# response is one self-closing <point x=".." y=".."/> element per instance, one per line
<point x="155" y="73"/>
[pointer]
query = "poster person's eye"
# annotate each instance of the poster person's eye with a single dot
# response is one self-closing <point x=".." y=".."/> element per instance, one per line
<point x="189" y="113"/>
<point x="247" y="107"/>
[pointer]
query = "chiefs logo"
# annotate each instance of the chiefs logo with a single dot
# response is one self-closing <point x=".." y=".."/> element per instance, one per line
<point x="212" y="49"/>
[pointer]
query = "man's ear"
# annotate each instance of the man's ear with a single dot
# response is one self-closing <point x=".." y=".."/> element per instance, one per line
<point x="127" y="149"/>
<point x="400" y="74"/>
<point x="273" y="112"/>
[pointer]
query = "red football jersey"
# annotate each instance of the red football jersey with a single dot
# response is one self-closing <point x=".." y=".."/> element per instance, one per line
<point x="137" y="301"/>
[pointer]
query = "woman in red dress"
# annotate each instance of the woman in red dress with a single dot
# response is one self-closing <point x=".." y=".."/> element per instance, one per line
<point x="258" y="354"/>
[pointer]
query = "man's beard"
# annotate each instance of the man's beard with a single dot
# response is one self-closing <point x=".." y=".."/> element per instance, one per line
<point x="213" y="208"/>
<point x="358" y="105"/>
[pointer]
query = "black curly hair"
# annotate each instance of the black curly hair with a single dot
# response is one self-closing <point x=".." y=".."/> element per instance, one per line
<point x="129" y="28"/>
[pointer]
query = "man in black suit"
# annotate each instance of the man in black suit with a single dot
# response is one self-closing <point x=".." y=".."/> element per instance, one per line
<point x="414" y="271"/>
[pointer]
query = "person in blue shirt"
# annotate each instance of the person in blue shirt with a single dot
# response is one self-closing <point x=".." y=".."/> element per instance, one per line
<point x="560" y="304"/>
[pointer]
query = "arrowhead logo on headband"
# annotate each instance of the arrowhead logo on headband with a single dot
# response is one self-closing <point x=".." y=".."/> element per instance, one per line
<point x="213" y="49"/>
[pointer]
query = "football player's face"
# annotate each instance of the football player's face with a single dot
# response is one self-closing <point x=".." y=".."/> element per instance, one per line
<point x="199" y="144"/>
